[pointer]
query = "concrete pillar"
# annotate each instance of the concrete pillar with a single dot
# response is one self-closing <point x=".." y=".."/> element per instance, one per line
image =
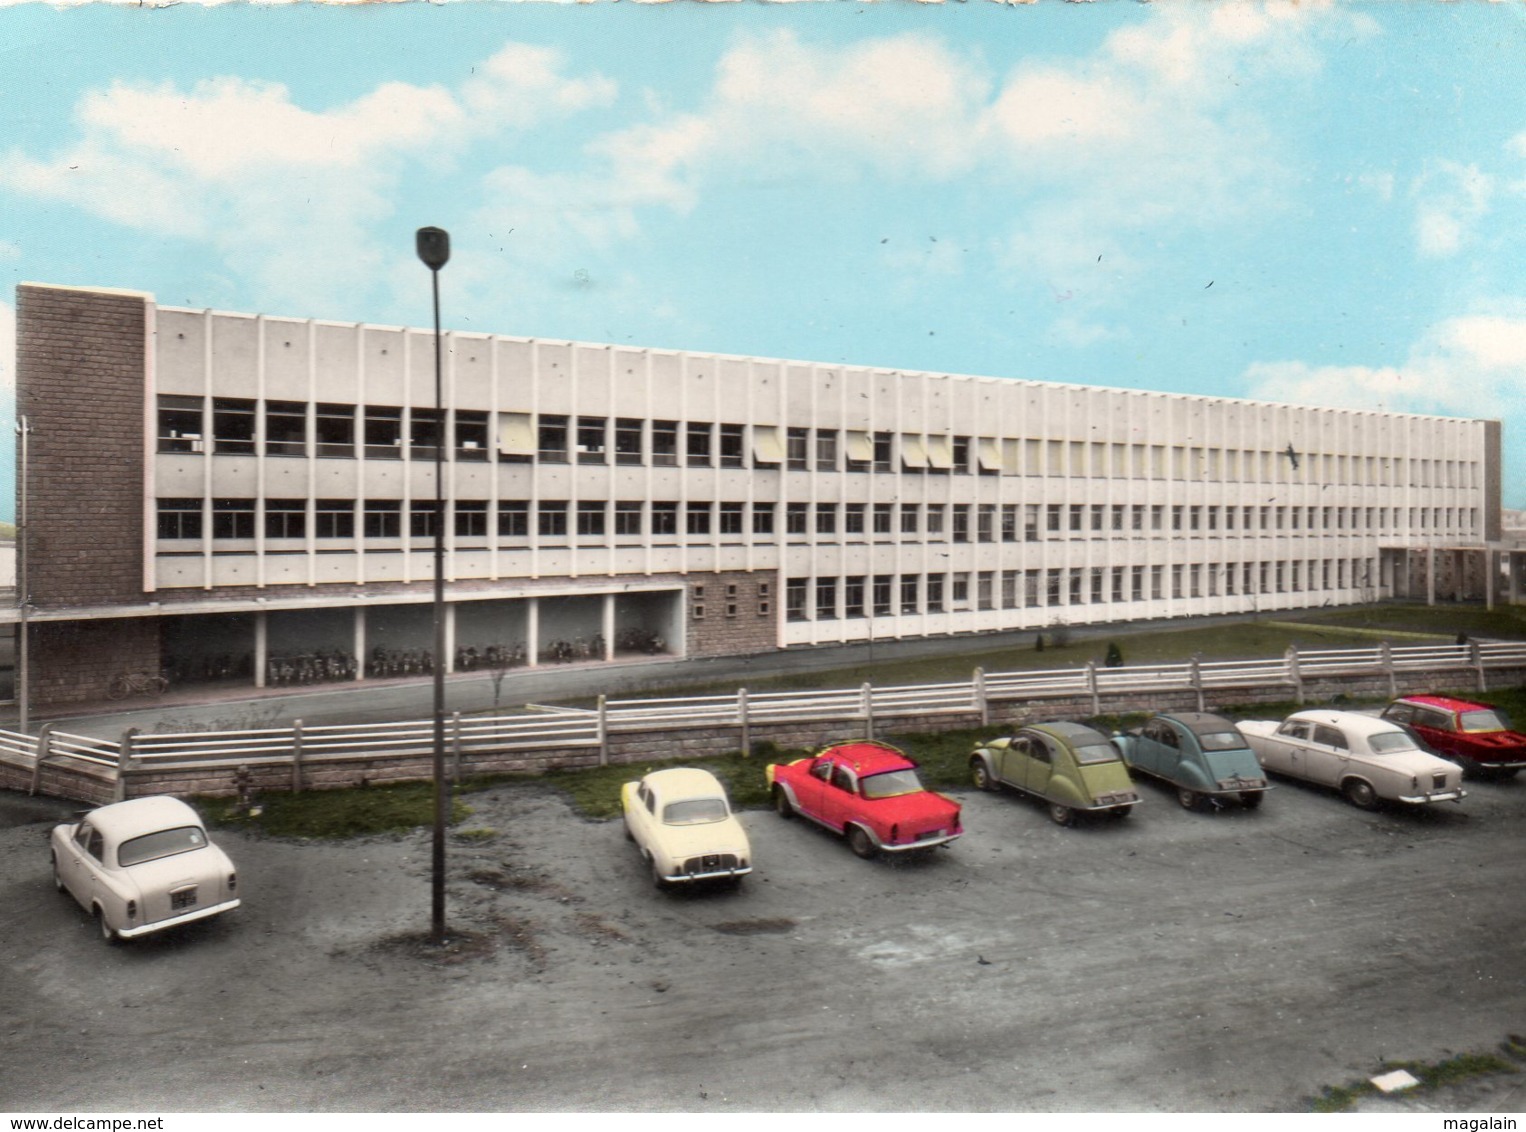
<point x="608" y="627"/>
<point x="261" y="647"/>
<point x="1430" y="575"/>
<point x="359" y="642"/>
<point x="532" y="631"/>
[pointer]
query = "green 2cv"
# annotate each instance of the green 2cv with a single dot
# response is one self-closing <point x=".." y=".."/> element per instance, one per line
<point x="1068" y="765"/>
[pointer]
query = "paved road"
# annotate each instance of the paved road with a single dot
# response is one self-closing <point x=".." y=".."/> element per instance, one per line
<point x="1235" y="961"/>
<point x="468" y="692"/>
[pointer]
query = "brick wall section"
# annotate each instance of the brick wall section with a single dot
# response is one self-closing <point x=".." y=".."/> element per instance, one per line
<point x="80" y="381"/>
<point x="754" y="625"/>
<point x="75" y="661"/>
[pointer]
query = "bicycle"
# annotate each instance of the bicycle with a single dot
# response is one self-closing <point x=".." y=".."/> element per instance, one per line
<point x="126" y="684"/>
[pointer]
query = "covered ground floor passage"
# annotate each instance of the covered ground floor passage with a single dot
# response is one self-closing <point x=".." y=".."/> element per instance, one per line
<point x="340" y="643"/>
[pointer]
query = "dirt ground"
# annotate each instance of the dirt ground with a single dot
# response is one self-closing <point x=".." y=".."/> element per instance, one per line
<point x="1233" y="961"/>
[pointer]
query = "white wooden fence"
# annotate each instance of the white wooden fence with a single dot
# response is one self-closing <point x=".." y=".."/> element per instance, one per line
<point x="564" y="728"/>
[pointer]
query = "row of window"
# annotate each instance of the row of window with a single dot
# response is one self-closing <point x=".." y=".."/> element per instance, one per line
<point x="190" y="518"/>
<point x="884" y="595"/>
<point x="243" y="426"/>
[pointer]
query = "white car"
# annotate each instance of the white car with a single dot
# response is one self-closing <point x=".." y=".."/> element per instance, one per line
<point x="1362" y="756"/>
<point x="683" y="824"/>
<point x="142" y="866"/>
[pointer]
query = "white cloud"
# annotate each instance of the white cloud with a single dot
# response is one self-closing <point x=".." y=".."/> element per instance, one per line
<point x="288" y="196"/>
<point x="1470" y="365"/>
<point x="1450" y="200"/>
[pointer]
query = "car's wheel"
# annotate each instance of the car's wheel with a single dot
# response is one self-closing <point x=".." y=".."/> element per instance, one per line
<point x="108" y="933"/>
<point x="658" y="881"/>
<point x="629" y="836"/>
<point x="1507" y="774"/>
<point x="1250" y="799"/>
<point x="1061" y="814"/>
<point x="782" y="805"/>
<point x="981" y="774"/>
<point x="1188" y="799"/>
<point x="1360" y="794"/>
<point x="860" y="841"/>
<point x="58" y="880"/>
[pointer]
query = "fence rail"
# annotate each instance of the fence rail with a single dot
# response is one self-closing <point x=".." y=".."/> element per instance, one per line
<point x="562" y="728"/>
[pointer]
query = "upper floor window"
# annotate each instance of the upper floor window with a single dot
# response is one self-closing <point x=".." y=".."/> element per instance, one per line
<point x="628" y="448"/>
<point x="471" y="518"/>
<point x="180" y="518"/>
<point x="334" y="518"/>
<point x="383" y="433"/>
<point x="797" y="448"/>
<point x="732" y="445"/>
<point x="180" y="426"/>
<point x="383" y="518"/>
<point x="285" y="518"/>
<point x="471" y="435"/>
<point x="233" y="518"/>
<point x="826" y="450"/>
<point x="551" y="442"/>
<point x="423" y="433"/>
<point x="665" y="443"/>
<point x="335" y="428"/>
<point x="233" y="426"/>
<point x="285" y="428"/>
<point x="697" y="444"/>
<point x="592" y="439"/>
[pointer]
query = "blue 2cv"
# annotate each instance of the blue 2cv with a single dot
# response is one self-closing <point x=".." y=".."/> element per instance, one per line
<point x="1204" y="756"/>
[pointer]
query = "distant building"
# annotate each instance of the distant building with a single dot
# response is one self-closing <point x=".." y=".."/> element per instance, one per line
<point x="248" y="498"/>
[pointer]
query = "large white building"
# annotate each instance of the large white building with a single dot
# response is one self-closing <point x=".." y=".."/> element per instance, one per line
<point x="223" y="492"/>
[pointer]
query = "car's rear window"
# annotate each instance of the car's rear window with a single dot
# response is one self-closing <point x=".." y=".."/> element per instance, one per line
<point x="1091" y="753"/>
<point x="695" y="811"/>
<point x="1482" y="721"/>
<point x="891" y="783"/>
<point x="165" y="843"/>
<point x="1391" y="742"/>
<point x="1221" y="740"/>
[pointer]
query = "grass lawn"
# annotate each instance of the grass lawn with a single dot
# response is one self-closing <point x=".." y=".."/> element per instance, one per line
<point x="1262" y="637"/>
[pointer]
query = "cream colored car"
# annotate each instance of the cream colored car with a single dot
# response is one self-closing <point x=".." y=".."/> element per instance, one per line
<point x="1366" y="758"/>
<point x="142" y="866"/>
<point x="682" y="822"/>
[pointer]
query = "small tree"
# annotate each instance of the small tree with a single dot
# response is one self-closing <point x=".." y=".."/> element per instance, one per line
<point x="1038" y="643"/>
<point x="498" y="668"/>
<point x="1114" y="655"/>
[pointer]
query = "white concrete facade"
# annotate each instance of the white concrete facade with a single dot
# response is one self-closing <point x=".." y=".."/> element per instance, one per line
<point x="290" y="456"/>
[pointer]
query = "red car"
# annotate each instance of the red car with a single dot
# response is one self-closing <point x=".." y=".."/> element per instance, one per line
<point x="870" y="793"/>
<point x="1475" y="736"/>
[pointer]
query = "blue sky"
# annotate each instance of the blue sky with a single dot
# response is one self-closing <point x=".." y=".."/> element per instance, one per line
<point x="1308" y="203"/>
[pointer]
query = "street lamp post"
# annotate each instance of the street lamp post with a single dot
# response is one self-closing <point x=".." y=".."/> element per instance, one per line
<point x="23" y="593"/>
<point x="433" y="246"/>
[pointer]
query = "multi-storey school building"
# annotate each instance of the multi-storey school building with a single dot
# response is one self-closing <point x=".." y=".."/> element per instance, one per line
<point x="252" y="498"/>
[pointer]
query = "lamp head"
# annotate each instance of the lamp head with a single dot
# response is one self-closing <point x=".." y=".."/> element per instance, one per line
<point x="433" y="246"/>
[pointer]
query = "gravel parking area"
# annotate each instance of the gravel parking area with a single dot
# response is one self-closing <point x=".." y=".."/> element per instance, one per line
<point x="1234" y="961"/>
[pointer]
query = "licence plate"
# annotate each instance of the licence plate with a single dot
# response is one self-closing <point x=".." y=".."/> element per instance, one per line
<point x="185" y="898"/>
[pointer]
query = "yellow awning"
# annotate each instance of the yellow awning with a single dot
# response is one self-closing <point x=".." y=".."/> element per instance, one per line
<point x="990" y="454"/>
<point x="516" y="434"/>
<point x="766" y="445"/>
<point x="913" y="450"/>
<point x="860" y="446"/>
<point x="940" y="452"/>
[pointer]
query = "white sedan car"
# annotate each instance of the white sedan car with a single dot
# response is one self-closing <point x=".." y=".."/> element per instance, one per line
<point x="683" y="824"/>
<point x="1362" y="756"/>
<point x="143" y="866"/>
